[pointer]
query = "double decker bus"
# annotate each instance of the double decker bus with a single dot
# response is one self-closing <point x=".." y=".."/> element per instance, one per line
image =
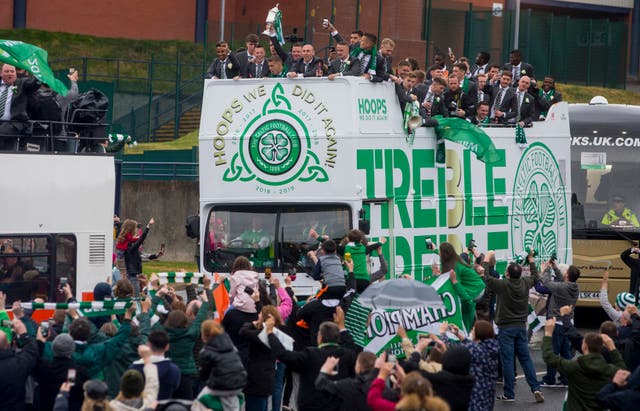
<point x="280" y="158"/>
<point x="57" y="222"/>
<point x="605" y="176"/>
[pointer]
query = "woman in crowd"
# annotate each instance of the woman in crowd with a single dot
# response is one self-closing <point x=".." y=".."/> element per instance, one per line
<point x="128" y="244"/>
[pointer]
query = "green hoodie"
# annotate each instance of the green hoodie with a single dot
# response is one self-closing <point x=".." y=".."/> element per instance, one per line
<point x="587" y="375"/>
<point x="359" y="256"/>
<point x="182" y="341"/>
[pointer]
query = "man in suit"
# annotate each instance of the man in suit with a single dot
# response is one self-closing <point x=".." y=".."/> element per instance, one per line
<point x="493" y="76"/>
<point x="517" y="67"/>
<point x="14" y="97"/>
<point x="384" y="63"/>
<point x="482" y="96"/>
<point x="343" y="65"/>
<point x="433" y="103"/>
<point x="308" y="66"/>
<point x="404" y="90"/>
<point x="457" y="102"/>
<point x="468" y="86"/>
<point x="258" y="68"/>
<point x="288" y="59"/>
<point x="545" y="98"/>
<point x="481" y="118"/>
<point x="245" y="57"/>
<point x="276" y="68"/>
<point x="524" y="103"/>
<point x="481" y="66"/>
<point x="503" y="99"/>
<point x="225" y="65"/>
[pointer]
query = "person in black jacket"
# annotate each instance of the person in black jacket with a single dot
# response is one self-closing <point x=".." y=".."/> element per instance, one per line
<point x="51" y="374"/>
<point x="622" y="393"/>
<point x="333" y="341"/>
<point x="221" y="368"/>
<point x="634" y="265"/>
<point x="14" y="94"/>
<point x="131" y="250"/>
<point x="15" y="367"/>
<point x="261" y="365"/>
<point x="351" y="392"/>
<point x="454" y="383"/>
<point x="225" y="66"/>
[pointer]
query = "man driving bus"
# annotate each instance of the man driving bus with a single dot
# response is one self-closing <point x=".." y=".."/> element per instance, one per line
<point x="620" y="216"/>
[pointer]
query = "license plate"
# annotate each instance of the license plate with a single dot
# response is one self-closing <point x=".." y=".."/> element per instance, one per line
<point x="592" y="295"/>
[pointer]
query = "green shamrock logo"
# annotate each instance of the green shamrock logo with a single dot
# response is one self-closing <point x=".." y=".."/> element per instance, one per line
<point x="275" y="147"/>
<point x="540" y="214"/>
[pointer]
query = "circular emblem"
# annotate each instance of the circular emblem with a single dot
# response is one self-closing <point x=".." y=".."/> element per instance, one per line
<point x="539" y="210"/>
<point x="274" y="147"/>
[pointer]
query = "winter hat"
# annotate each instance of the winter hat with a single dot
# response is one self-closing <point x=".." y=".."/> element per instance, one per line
<point x="101" y="291"/>
<point x="132" y="384"/>
<point x="623" y="299"/>
<point x="63" y="346"/>
<point x="457" y="360"/>
<point x="96" y="390"/>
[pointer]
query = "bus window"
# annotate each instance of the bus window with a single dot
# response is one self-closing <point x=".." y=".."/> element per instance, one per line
<point x="269" y="236"/>
<point x="26" y="267"/>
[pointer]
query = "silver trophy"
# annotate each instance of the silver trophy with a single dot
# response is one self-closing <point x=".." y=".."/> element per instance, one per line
<point x="271" y="18"/>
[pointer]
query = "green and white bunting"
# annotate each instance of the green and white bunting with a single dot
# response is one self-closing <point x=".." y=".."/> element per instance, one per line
<point x="180" y="277"/>
<point x="375" y="330"/>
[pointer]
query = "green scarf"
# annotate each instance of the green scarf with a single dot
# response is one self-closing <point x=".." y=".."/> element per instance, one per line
<point x="465" y="85"/>
<point x="282" y="74"/>
<point x="521" y="139"/>
<point x="359" y="53"/>
<point x="547" y="97"/>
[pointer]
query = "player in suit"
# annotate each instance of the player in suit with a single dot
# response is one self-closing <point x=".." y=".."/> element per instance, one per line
<point x="258" y="68"/>
<point x="308" y="66"/>
<point x="225" y="66"/>
<point x="343" y="64"/>
<point x="503" y="99"/>
<point x="524" y="103"/>
<point x="245" y="57"/>
<point x="517" y="67"/>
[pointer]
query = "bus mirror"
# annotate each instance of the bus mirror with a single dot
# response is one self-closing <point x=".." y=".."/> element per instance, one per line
<point x="364" y="226"/>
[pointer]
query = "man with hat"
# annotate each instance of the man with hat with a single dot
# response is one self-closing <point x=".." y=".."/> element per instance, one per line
<point x="619" y="215"/>
<point x="51" y="374"/>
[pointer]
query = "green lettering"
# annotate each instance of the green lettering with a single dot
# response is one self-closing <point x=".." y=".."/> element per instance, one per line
<point x="422" y="218"/>
<point x="497" y="187"/>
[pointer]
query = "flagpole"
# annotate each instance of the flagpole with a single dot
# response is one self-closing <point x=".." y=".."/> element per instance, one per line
<point x="516" y="26"/>
<point x="222" y="5"/>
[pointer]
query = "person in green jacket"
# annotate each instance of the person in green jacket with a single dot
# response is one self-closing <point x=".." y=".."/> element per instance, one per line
<point x="465" y="280"/>
<point x="586" y="374"/>
<point x="356" y="248"/>
<point x="182" y="338"/>
<point x="94" y="357"/>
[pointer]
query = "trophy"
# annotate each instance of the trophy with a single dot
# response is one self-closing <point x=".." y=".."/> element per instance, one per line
<point x="272" y="15"/>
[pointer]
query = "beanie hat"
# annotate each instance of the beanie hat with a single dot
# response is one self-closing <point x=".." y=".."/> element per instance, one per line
<point x="132" y="384"/>
<point x="101" y="291"/>
<point x="623" y="299"/>
<point x="96" y="390"/>
<point x="457" y="360"/>
<point x="63" y="346"/>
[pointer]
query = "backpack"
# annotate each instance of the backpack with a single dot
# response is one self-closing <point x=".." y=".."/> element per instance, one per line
<point x="192" y="226"/>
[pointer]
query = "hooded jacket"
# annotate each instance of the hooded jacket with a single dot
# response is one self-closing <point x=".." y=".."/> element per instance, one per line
<point x="587" y="375"/>
<point x="238" y="282"/>
<point x="220" y="365"/>
<point x="454" y="383"/>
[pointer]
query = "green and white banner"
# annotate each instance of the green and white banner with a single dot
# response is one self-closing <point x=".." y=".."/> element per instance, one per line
<point x="180" y="278"/>
<point x="376" y="330"/>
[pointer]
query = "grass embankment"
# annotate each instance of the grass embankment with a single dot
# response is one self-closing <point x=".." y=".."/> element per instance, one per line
<point x="183" y="143"/>
<point x="168" y="266"/>
<point x="583" y="94"/>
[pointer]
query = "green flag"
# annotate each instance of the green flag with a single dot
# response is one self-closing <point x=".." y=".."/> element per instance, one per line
<point x="375" y="330"/>
<point x="521" y="138"/>
<point x="277" y="25"/>
<point x="470" y="136"/>
<point x="33" y="59"/>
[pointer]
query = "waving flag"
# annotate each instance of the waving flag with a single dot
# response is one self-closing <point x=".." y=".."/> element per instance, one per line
<point x="33" y="59"/>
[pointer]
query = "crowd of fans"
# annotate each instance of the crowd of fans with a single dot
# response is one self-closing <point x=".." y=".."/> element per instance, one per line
<point x="173" y="350"/>
<point x="482" y="93"/>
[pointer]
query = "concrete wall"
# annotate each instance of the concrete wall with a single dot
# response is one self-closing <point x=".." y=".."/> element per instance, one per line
<point x="169" y="203"/>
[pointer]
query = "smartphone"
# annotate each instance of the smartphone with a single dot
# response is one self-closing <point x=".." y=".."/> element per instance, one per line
<point x="423" y="335"/>
<point x="63" y="281"/>
<point x="71" y="376"/>
<point x="429" y="244"/>
<point x="72" y="70"/>
<point x="450" y="52"/>
<point x="44" y="328"/>
<point x="325" y="23"/>
<point x="200" y="289"/>
<point x="162" y="248"/>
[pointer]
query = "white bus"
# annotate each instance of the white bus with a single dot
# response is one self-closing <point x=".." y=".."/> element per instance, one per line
<point x="279" y="157"/>
<point x="57" y="222"/>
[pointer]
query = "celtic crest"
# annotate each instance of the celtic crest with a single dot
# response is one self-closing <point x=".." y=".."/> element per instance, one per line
<point x="539" y="211"/>
<point x="275" y="147"/>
